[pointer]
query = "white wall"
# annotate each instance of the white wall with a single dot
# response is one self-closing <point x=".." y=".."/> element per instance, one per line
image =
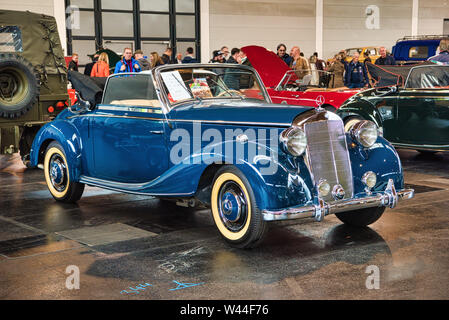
<point x="262" y="22"/>
<point x="53" y="8"/>
<point x="344" y="24"/>
<point x="431" y="16"/>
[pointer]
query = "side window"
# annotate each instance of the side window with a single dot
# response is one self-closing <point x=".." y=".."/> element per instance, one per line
<point x="131" y="90"/>
<point x="428" y="77"/>
<point x="10" y="39"/>
<point x="420" y="52"/>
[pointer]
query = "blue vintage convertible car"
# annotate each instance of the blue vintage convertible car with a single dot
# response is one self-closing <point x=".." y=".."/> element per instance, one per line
<point x="209" y="135"/>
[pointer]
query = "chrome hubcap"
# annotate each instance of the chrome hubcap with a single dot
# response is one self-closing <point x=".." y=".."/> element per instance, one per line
<point x="58" y="172"/>
<point x="232" y="206"/>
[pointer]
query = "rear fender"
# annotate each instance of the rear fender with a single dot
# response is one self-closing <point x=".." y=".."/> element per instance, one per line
<point x="59" y="131"/>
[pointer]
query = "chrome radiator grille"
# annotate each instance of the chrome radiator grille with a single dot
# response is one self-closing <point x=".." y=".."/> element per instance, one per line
<point x="328" y="156"/>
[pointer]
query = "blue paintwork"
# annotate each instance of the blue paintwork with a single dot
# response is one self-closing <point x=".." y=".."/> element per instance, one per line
<point x="105" y="149"/>
<point x="400" y="51"/>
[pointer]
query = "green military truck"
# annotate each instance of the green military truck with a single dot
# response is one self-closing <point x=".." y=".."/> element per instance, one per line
<point x="33" y="78"/>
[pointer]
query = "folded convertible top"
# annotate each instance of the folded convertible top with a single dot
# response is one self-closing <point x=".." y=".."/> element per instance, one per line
<point x="391" y="75"/>
<point x="90" y="89"/>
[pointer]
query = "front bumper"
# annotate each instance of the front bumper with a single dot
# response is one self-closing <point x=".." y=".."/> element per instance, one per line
<point x="387" y="198"/>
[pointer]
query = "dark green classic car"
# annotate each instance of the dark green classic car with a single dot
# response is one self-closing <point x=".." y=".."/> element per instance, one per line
<point x="409" y="104"/>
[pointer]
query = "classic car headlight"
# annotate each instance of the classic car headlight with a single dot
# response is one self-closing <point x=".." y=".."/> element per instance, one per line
<point x="294" y="141"/>
<point x="365" y="132"/>
<point x="369" y="179"/>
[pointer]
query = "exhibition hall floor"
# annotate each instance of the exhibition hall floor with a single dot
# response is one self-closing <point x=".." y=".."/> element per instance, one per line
<point x="136" y="247"/>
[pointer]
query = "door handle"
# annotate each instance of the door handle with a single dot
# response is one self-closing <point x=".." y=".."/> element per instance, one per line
<point x="156" y="132"/>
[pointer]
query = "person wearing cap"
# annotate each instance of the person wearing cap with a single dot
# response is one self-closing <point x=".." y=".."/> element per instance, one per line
<point x="217" y="57"/>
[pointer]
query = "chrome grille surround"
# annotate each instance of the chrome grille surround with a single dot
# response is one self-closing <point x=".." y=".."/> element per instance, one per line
<point x="327" y="155"/>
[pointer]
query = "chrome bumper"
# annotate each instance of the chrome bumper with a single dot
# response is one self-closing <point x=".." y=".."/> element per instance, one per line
<point x="387" y="198"/>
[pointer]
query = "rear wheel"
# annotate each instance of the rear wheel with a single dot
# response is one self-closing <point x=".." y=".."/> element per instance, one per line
<point x="362" y="217"/>
<point x="234" y="209"/>
<point x="57" y="175"/>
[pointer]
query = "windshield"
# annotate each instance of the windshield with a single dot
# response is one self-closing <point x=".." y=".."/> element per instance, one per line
<point x="135" y="89"/>
<point x="10" y="39"/>
<point x="428" y="77"/>
<point x="209" y="82"/>
<point x="301" y="80"/>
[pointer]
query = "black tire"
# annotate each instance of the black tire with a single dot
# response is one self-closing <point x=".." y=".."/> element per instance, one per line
<point x="61" y="187"/>
<point x="362" y="217"/>
<point x="243" y="228"/>
<point x="19" y="85"/>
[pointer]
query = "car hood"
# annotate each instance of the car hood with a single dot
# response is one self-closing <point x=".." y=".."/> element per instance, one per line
<point x="239" y="113"/>
<point x="270" y="67"/>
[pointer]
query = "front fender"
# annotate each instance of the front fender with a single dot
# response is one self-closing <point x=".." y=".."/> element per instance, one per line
<point x="382" y="159"/>
<point x="360" y="108"/>
<point x="67" y="136"/>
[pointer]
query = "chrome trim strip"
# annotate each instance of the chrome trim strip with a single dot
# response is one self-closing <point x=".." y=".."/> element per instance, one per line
<point x="389" y="198"/>
<point x="423" y="147"/>
<point x="267" y="124"/>
<point x="119" y="187"/>
<point x="115" y="116"/>
<point x="222" y="122"/>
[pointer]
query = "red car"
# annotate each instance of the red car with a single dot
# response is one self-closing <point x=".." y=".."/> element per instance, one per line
<point x="284" y="85"/>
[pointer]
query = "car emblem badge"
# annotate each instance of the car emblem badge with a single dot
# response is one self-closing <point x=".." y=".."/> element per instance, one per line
<point x="320" y="100"/>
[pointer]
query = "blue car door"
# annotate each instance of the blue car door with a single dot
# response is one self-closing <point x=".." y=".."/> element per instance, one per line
<point x="128" y="133"/>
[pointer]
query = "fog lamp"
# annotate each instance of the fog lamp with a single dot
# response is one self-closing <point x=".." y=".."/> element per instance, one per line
<point x="323" y="188"/>
<point x="369" y="179"/>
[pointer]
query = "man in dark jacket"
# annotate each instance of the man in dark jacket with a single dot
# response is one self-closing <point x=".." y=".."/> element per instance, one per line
<point x="166" y="57"/>
<point x="232" y="78"/>
<point x="73" y="65"/>
<point x="385" y="59"/>
<point x="89" y="66"/>
<point x="356" y="75"/>
<point x="189" y="58"/>
<point x="282" y="53"/>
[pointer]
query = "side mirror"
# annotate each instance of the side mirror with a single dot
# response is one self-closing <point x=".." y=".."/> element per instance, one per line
<point x="81" y="105"/>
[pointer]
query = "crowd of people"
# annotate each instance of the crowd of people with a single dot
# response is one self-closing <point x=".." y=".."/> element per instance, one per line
<point x="130" y="62"/>
<point x="346" y="71"/>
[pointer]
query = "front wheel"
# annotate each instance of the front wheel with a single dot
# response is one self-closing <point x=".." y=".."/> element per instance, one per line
<point x="234" y="209"/>
<point x="362" y="217"/>
<point x="57" y="175"/>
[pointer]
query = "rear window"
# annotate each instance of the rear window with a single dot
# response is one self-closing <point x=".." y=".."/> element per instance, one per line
<point x="131" y="90"/>
<point x="421" y="52"/>
<point x="10" y="39"/>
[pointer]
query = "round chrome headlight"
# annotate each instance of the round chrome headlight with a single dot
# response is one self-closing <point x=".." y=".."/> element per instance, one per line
<point x="365" y="132"/>
<point x="369" y="179"/>
<point x="294" y="141"/>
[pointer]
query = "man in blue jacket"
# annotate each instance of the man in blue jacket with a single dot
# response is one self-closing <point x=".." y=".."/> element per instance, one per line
<point x="128" y="63"/>
<point x="356" y="75"/>
<point x="443" y="56"/>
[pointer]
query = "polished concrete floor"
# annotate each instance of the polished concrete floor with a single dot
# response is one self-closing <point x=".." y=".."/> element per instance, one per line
<point x="135" y="247"/>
